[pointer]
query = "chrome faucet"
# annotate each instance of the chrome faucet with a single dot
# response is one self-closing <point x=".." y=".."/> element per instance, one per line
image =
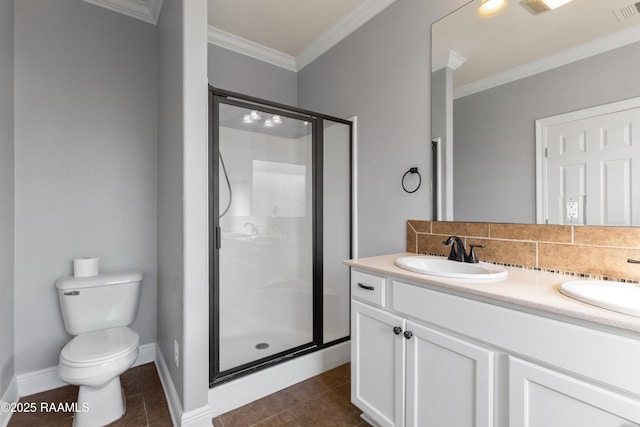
<point x="458" y="252"/>
<point x="254" y="229"/>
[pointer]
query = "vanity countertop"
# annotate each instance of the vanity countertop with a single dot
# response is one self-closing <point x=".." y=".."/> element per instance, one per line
<point x="532" y="289"/>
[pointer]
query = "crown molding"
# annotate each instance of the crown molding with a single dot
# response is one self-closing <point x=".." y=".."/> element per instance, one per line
<point x="354" y="20"/>
<point x="451" y="59"/>
<point x="145" y="10"/>
<point x="595" y="47"/>
<point x="246" y="47"/>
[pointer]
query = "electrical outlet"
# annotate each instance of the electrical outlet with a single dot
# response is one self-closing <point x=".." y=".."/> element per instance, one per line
<point x="573" y="208"/>
<point x="176" y="351"/>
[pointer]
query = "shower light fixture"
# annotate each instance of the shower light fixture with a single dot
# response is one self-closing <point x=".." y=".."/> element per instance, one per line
<point x="540" y="6"/>
<point x="276" y="119"/>
<point x="255" y="116"/>
<point x="554" y="4"/>
<point x="491" y="8"/>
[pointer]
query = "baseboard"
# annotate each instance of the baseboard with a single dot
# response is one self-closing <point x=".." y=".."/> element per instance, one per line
<point x="47" y="379"/>
<point x="10" y="395"/>
<point x="38" y="381"/>
<point x="170" y="393"/>
<point x="196" y="418"/>
<point x="201" y="417"/>
<point x="146" y="354"/>
<point x="232" y="395"/>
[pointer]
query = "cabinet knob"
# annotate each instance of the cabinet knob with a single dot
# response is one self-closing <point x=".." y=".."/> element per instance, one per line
<point x="397" y="330"/>
<point x="408" y="334"/>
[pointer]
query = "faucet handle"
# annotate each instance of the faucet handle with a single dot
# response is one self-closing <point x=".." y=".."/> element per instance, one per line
<point x="453" y="254"/>
<point x="472" y="258"/>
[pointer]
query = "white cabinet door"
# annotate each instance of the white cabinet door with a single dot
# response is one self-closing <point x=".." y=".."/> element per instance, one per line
<point x="378" y="364"/>
<point x="540" y="397"/>
<point x="449" y="380"/>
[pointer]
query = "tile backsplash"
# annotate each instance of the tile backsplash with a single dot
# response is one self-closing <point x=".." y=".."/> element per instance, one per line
<point x="582" y="250"/>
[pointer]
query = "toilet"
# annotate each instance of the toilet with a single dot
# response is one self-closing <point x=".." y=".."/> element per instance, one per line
<point x="97" y="310"/>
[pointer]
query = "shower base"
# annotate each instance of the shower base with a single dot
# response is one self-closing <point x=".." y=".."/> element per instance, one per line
<point x="236" y="350"/>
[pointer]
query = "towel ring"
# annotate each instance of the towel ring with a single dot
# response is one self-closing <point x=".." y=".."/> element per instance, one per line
<point x="412" y="171"/>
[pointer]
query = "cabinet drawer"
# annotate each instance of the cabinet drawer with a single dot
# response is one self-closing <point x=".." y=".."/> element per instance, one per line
<point x="368" y="287"/>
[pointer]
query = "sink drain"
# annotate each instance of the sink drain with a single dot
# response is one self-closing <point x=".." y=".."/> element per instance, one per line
<point x="262" y="345"/>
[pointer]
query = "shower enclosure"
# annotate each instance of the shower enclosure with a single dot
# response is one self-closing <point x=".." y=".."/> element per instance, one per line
<point x="280" y="210"/>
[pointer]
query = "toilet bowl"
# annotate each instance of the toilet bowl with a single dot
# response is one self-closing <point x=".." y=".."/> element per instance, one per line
<point x="94" y="361"/>
<point x="97" y="311"/>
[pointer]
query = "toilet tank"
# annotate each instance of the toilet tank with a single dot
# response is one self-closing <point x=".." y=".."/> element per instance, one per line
<point x="105" y="301"/>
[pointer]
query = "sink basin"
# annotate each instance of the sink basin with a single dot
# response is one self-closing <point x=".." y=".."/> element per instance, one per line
<point x="442" y="267"/>
<point x="254" y="238"/>
<point x="265" y="238"/>
<point x="236" y="235"/>
<point x="615" y="296"/>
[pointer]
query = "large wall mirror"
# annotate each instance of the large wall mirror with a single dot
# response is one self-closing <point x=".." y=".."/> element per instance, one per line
<point x="496" y="82"/>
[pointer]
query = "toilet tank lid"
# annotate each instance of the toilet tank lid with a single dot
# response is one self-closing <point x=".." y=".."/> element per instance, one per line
<point x="115" y="278"/>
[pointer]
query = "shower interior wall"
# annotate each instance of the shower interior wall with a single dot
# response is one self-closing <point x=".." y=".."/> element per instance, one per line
<point x="291" y="230"/>
<point x="265" y="286"/>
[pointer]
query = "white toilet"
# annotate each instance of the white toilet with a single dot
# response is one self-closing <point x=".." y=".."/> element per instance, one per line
<point x="97" y="311"/>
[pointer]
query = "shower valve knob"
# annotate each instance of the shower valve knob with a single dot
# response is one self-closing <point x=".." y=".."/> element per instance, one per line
<point x="397" y="330"/>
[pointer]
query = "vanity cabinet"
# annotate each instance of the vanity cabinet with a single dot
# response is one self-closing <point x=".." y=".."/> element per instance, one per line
<point x="543" y="397"/>
<point x="405" y="373"/>
<point x="449" y="380"/>
<point x="378" y="374"/>
<point x="426" y="357"/>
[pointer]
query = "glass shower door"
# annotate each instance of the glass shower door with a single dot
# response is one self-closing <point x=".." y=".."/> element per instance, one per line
<point x="265" y="215"/>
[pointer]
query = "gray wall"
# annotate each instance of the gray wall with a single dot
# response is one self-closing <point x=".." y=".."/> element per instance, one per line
<point x="183" y="300"/>
<point x="6" y="194"/>
<point x="381" y="73"/>
<point x="85" y="161"/>
<point x="494" y="131"/>
<point x="242" y="74"/>
<point x="170" y="186"/>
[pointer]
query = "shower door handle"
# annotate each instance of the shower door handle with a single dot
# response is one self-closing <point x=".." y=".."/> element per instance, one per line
<point x="218" y="237"/>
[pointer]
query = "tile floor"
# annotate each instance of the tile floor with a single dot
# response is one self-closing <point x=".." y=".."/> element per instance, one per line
<point x="322" y="401"/>
<point x="144" y="397"/>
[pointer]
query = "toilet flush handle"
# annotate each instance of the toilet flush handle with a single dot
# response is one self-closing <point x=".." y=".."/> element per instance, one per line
<point x="72" y="293"/>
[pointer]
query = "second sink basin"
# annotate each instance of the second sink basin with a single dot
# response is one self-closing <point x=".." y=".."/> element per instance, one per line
<point x="442" y="267"/>
<point x="615" y="296"/>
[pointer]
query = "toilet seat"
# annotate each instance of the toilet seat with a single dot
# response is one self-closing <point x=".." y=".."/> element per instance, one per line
<point x="94" y="348"/>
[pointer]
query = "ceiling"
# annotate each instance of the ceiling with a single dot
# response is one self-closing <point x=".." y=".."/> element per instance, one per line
<point x="287" y="26"/>
<point x="516" y="37"/>
<point x="292" y="33"/>
<point x="287" y="33"/>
